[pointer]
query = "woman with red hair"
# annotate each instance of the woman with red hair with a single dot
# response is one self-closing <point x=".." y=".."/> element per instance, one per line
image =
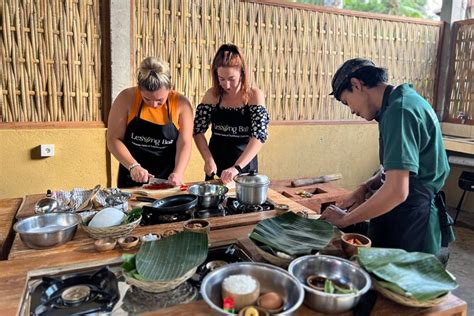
<point x="238" y="117"/>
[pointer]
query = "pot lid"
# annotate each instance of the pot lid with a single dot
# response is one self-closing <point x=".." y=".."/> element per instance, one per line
<point x="252" y="178"/>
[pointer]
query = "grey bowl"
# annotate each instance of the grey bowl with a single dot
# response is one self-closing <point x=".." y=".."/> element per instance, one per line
<point x="209" y="195"/>
<point x="271" y="278"/>
<point x="47" y="230"/>
<point x="333" y="268"/>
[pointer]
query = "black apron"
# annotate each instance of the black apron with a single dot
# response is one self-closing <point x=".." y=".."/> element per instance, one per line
<point x="231" y="132"/>
<point x="152" y="145"/>
<point x="406" y="225"/>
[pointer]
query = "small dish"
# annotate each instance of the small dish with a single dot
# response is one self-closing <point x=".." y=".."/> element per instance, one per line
<point x="351" y="243"/>
<point x="150" y="237"/>
<point x="128" y="242"/>
<point x="197" y="225"/>
<point x="170" y="232"/>
<point x="105" y="244"/>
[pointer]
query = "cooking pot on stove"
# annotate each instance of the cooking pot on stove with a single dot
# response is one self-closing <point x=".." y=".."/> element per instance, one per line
<point x="209" y="195"/>
<point x="169" y="209"/>
<point x="251" y="188"/>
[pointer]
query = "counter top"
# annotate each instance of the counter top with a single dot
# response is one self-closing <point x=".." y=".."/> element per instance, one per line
<point x="80" y="253"/>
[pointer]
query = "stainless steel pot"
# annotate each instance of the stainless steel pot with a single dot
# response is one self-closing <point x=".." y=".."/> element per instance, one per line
<point x="271" y="278"/>
<point x="47" y="230"/>
<point x="332" y="268"/>
<point x="47" y="204"/>
<point x="209" y="195"/>
<point x="251" y="188"/>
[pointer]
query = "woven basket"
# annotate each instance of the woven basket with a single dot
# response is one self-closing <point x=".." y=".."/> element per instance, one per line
<point x="403" y="300"/>
<point x="159" y="286"/>
<point x="277" y="261"/>
<point x="112" y="231"/>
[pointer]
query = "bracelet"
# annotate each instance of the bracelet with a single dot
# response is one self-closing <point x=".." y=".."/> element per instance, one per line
<point x="133" y="165"/>
<point x="237" y="167"/>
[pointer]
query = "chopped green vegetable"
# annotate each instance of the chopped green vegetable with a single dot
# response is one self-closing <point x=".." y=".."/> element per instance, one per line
<point x="328" y="286"/>
<point x="132" y="216"/>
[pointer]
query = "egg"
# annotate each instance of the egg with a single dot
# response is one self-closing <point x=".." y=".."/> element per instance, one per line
<point x="270" y="301"/>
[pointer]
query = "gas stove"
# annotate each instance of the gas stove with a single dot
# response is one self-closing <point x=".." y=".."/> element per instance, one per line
<point x="231" y="206"/>
<point x="103" y="291"/>
<point x="81" y="294"/>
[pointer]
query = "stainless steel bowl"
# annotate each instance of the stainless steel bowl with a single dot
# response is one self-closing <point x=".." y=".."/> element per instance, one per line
<point x="47" y="230"/>
<point x="271" y="278"/>
<point x="209" y="195"/>
<point x="333" y="268"/>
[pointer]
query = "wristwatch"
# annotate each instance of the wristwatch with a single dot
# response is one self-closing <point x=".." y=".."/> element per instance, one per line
<point x="237" y="167"/>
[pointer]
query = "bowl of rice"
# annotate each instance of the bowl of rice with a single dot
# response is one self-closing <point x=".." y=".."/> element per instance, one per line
<point x="268" y="277"/>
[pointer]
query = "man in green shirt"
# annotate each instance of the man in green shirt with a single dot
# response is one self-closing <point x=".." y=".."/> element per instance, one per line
<point x="414" y="165"/>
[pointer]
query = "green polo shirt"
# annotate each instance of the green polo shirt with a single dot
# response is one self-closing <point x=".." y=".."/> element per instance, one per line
<point x="412" y="141"/>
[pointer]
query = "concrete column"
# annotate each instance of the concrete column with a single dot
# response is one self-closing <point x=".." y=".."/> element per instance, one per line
<point x="451" y="11"/>
<point x="120" y="21"/>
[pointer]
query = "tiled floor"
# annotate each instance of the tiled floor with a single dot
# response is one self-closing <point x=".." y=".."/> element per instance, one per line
<point x="461" y="261"/>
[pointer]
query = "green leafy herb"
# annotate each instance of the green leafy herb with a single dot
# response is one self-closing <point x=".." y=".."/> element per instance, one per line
<point x="132" y="216"/>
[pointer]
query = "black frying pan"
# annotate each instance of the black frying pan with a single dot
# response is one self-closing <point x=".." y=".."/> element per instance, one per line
<point x="169" y="209"/>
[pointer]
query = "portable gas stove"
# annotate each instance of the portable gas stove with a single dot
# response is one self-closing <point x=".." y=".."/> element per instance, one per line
<point x="104" y="290"/>
<point x="231" y="206"/>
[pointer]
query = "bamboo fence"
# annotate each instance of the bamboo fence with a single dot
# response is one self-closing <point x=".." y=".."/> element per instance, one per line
<point x="291" y="52"/>
<point x="461" y="90"/>
<point x="51" y="61"/>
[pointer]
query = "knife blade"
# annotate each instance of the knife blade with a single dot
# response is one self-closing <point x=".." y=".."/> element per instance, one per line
<point x="153" y="180"/>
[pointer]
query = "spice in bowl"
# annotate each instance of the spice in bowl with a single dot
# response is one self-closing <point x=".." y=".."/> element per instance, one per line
<point x="128" y="242"/>
<point x="351" y="243"/>
<point x="197" y="225"/>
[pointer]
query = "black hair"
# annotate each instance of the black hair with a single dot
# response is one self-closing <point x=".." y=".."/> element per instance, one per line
<point x="370" y="76"/>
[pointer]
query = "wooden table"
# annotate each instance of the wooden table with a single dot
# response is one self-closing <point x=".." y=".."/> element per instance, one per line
<point x="80" y="253"/>
<point x="8" y="209"/>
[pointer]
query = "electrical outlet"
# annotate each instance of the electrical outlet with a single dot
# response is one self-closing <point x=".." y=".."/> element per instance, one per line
<point x="47" y="150"/>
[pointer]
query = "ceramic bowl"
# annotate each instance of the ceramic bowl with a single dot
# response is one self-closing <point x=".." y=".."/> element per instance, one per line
<point x="197" y="225"/>
<point x="128" y="242"/>
<point x="351" y="249"/>
<point x="105" y="244"/>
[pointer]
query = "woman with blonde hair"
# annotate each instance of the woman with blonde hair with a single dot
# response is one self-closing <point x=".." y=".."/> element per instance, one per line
<point x="238" y="117"/>
<point x="150" y="128"/>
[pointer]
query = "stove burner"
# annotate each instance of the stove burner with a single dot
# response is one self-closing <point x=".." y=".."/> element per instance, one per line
<point x="236" y="207"/>
<point x="79" y="294"/>
<point x="250" y="208"/>
<point x="75" y="294"/>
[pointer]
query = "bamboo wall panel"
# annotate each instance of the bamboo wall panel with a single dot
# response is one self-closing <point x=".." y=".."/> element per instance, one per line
<point x="461" y="92"/>
<point x="291" y="53"/>
<point x="51" y="61"/>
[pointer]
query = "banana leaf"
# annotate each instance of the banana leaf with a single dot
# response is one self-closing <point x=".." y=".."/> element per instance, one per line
<point x="293" y="234"/>
<point x="171" y="257"/>
<point x="417" y="275"/>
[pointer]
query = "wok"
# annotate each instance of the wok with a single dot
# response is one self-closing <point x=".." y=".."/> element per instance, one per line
<point x="169" y="209"/>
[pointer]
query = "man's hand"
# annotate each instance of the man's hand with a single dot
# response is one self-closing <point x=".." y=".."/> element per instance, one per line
<point x="356" y="198"/>
<point x="335" y="216"/>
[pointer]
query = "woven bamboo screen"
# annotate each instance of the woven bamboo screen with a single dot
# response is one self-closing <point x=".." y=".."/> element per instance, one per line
<point x="292" y="53"/>
<point x="461" y="92"/>
<point x="51" y="66"/>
